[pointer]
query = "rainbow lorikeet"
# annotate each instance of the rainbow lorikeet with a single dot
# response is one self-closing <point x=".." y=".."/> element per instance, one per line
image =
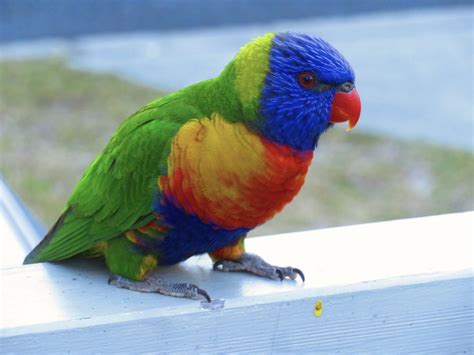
<point x="194" y="171"/>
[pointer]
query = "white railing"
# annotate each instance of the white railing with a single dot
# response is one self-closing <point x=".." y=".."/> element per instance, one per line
<point x="399" y="286"/>
<point x="19" y="231"/>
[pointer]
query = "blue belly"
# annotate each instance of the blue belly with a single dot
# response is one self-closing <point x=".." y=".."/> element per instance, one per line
<point x="188" y="235"/>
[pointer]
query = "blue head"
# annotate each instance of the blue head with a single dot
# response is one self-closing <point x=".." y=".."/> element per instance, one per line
<point x="305" y="74"/>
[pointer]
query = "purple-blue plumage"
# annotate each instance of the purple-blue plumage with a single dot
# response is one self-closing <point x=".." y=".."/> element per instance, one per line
<point x="293" y="115"/>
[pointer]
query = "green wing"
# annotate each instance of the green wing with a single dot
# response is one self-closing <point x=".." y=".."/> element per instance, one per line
<point x="116" y="192"/>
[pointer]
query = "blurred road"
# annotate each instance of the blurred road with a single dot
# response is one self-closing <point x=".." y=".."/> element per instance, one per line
<point x="414" y="69"/>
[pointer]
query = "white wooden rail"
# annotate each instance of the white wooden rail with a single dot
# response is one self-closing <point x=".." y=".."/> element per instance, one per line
<point x="19" y="230"/>
<point x="399" y="286"/>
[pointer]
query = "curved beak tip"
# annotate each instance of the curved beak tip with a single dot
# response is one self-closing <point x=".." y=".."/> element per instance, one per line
<point x="346" y="107"/>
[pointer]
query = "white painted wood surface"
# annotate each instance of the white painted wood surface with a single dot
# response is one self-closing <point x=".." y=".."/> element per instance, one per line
<point x="20" y="232"/>
<point x="398" y="286"/>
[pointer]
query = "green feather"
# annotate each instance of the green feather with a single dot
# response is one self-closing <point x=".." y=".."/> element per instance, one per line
<point x="116" y="192"/>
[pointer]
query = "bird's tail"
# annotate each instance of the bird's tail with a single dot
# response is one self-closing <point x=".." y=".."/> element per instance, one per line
<point x="35" y="256"/>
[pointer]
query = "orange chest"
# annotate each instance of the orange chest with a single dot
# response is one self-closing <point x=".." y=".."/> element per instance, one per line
<point x="230" y="177"/>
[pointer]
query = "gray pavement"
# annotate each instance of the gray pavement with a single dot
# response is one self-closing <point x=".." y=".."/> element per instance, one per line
<point x="414" y="68"/>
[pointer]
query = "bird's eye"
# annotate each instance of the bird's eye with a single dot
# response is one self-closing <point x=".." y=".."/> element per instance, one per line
<point x="307" y="79"/>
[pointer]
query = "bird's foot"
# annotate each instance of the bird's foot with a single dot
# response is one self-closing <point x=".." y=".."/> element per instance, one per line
<point x="155" y="284"/>
<point x="256" y="265"/>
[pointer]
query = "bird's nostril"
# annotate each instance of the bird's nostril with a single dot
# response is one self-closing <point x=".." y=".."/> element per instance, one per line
<point x="347" y="87"/>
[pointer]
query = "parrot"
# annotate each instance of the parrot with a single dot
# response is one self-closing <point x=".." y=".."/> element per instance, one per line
<point x="193" y="172"/>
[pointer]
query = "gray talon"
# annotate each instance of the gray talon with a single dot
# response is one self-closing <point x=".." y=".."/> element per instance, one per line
<point x="154" y="284"/>
<point x="203" y="293"/>
<point x="299" y="272"/>
<point x="256" y="265"/>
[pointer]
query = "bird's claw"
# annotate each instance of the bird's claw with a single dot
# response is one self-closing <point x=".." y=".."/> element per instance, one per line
<point x="290" y="272"/>
<point x="155" y="284"/>
<point x="300" y="273"/>
<point x="203" y="293"/>
<point x="256" y="265"/>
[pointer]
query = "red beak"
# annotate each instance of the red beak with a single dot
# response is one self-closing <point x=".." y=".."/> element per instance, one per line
<point x="346" y="107"/>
